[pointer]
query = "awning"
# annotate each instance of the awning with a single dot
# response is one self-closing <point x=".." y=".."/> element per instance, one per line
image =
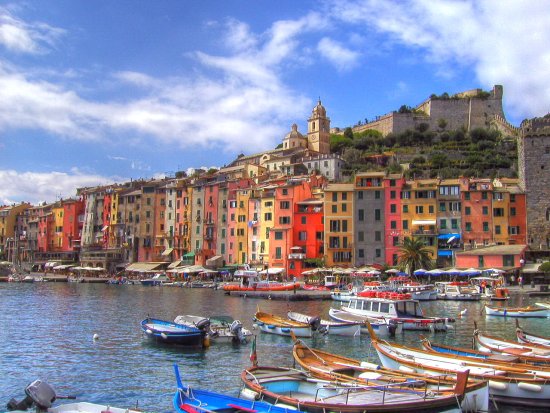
<point x="144" y="266"/>
<point x="531" y="268"/>
<point x="272" y="271"/>
<point x="216" y="260"/>
<point x="175" y="264"/>
<point x="449" y="236"/>
<point x="189" y="255"/>
<point x="444" y="253"/>
<point x="424" y="222"/>
<point x="167" y="251"/>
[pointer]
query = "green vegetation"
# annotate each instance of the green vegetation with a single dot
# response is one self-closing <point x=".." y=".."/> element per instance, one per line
<point x="414" y="255"/>
<point x="545" y="267"/>
<point x="429" y="153"/>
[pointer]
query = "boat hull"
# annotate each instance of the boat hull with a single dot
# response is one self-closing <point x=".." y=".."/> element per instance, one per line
<point x="272" y="324"/>
<point x="329" y="327"/>
<point x="171" y="333"/>
<point x="513" y="312"/>
<point x="381" y="327"/>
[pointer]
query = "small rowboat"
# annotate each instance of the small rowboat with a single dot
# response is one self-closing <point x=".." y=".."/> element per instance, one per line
<point x="273" y="324"/>
<point x="517" y="311"/>
<point x="299" y="390"/>
<point x="172" y="333"/>
<point x="498" y="345"/>
<point x="529" y="338"/>
<point x="189" y="400"/>
<point x="322" y="364"/>
<point x="327" y="326"/>
<point x="383" y="327"/>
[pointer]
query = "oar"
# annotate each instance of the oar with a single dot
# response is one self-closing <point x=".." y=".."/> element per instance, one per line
<point x="296" y="341"/>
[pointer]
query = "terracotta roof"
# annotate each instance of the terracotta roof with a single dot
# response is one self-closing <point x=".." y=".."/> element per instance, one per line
<point x="495" y="250"/>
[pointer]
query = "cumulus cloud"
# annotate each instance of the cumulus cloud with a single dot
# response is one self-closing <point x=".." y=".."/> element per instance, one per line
<point x="341" y="57"/>
<point x="505" y="42"/>
<point x="35" y="187"/>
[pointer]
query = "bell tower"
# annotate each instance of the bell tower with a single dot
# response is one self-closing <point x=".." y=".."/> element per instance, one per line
<point x="318" y="130"/>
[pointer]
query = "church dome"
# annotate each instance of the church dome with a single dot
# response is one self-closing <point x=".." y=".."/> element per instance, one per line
<point x="319" y="110"/>
<point x="294" y="133"/>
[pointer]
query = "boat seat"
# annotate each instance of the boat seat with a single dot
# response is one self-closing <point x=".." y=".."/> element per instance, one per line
<point x="241" y="408"/>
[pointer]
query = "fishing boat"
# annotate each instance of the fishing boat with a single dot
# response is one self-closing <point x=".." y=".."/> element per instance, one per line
<point x="274" y="324"/>
<point x="526" y="312"/>
<point x="328" y="326"/>
<point x="300" y="390"/>
<point x="400" y="308"/>
<point x="320" y="363"/>
<point x="168" y="332"/>
<point x="508" y="383"/>
<point x="529" y="338"/>
<point x="157" y="279"/>
<point x="498" y="345"/>
<point x="189" y="400"/>
<point x="41" y="396"/>
<point x="221" y="329"/>
<point x="494" y="357"/>
<point x="383" y="327"/>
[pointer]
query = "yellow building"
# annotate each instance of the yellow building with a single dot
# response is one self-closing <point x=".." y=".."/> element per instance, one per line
<point x="267" y="221"/>
<point x="338" y="207"/>
<point x="241" y="227"/>
<point x="419" y="205"/>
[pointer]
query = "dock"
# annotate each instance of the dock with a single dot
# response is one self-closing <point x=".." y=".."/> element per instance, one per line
<point x="298" y="295"/>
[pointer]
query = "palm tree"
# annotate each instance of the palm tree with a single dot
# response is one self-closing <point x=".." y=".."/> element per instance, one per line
<point x="413" y="255"/>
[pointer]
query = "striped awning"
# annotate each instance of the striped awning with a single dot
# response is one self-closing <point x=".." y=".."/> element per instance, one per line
<point x="144" y="266"/>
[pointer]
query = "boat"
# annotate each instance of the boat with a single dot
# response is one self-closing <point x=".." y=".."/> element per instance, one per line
<point x="321" y="363"/>
<point x="508" y="383"/>
<point x="221" y="329"/>
<point x="41" y="396"/>
<point x="328" y="326"/>
<point x="457" y="291"/>
<point x="529" y="338"/>
<point x="273" y="324"/>
<point x="298" y="389"/>
<point x="342" y="295"/>
<point x="420" y="292"/>
<point x="383" y="327"/>
<point x="492" y="344"/>
<point x="190" y="400"/>
<point x="490" y="288"/>
<point x="157" y="279"/>
<point x="525" y="312"/>
<point x="172" y="333"/>
<point x="251" y="280"/>
<point x="400" y="308"/>
<point x="484" y="355"/>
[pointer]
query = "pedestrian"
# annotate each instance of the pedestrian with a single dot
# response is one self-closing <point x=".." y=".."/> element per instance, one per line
<point x="520" y="281"/>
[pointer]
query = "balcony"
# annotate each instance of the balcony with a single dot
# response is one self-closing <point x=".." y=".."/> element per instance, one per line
<point x="297" y="256"/>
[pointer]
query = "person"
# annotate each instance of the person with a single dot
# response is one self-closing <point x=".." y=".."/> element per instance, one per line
<point x="483" y="286"/>
<point x="520" y="281"/>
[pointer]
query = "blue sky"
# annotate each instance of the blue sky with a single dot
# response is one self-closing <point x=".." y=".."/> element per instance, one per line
<point x="95" y="92"/>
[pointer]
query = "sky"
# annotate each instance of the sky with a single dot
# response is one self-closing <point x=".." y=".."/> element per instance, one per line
<point x="98" y="92"/>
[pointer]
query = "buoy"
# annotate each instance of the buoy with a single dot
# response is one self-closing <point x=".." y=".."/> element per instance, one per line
<point x="163" y="335"/>
<point x="497" y="385"/>
<point x="529" y="387"/>
<point x="96" y="336"/>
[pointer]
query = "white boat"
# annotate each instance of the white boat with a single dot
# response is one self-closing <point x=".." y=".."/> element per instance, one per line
<point x="397" y="307"/>
<point x="327" y="326"/>
<point x="382" y="327"/>
<point x="273" y="324"/>
<point x="222" y="329"/>
<point x="491" y="344"/>
<point x="157" y="279"/>
<point x="342" y="295"/>
<point x="490" y="288"/>
<point x="457" y="291"/>
<point x="523" y="312"/>
<point x="508" y="383"/>
<point x="420" y="292"/>
<point x="529" y="338"/>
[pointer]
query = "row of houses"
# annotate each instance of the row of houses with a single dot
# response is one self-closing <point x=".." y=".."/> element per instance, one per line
<point x="286" y="222"/>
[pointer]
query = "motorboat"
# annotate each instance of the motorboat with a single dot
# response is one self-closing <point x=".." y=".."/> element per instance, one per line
<point x="457" y="291"/>
<point x="157" y="279"/>
<point x="383" y="327"/>
<point x="167" y="332"/>
<point x="299" y="390"/>
<point x="221" y="329"/>
<point x="274" y="324"/>
<point x="41" y="396"/>
<point x="400" y="308"/>
<point x="490" y="288"/>
<point x="328" y="326"/>
<point x="252" y="280"/>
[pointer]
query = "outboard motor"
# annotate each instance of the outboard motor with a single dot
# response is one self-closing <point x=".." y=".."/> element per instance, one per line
<point x="38" y="393"/>
<point x="203" y="324"/>
<point x="392" y="327"/>
<point x="236" y="330"/>
<point x="315" y="323"/>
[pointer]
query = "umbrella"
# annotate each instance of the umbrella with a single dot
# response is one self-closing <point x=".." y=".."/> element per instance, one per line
<point x="420" y="271"/>
<point x="495" y="270"/>
<point x="435" y="271"/>
<point x="392" y="271"/>
<point x="453" y="271"/>
<point x="471" y="271"/>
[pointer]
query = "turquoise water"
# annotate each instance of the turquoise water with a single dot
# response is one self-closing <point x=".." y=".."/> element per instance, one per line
<point x="47" y="332"/>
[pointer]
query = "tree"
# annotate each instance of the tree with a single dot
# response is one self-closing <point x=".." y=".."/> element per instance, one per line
<point x="348" y="133"/>
<point x="545" y="267"/>
<point x="414" y="255"/>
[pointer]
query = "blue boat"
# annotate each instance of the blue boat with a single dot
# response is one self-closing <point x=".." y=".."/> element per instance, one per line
<point x="171" y="333"/>
<point x="189" y="400"/>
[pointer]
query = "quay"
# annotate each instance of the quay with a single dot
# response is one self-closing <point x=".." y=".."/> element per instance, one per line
<point x="297" y="295"/>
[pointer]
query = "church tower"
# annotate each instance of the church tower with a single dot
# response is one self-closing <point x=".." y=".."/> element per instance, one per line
<point x="318" y="130"/>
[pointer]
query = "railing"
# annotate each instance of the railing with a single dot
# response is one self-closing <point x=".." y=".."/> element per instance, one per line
<point x="297" y="256"/>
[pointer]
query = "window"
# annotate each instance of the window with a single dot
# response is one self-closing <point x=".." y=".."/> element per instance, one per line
<point x="278" y="235"/>
<point x="334" y="208"/>
<point x="303" y="220"/>
<point x="395" y="241"/>
<point x="467" y="211"/>
<point x="405" y="209"/>
<point x="485" y="226"/>
<point x="405" y="224"/>
<point x="278" y="253"/>
<point x="498" y="212"/>
<point x="393" y="224"/>
<point x="484" y="195"/>
<point x="334" y="242"/>
<point x="393" y="208"/>
<point x="344" y="226"/>
<point x="268" y="216"/>
<point x="344" y="196"/>
<point x="467" y="196"/>
<point x="393" y="194"/>
<point x="377" y="235"/>
<point x="377" y="252"/>
<point x="302" y="236"/>
<point x="485" y="210"/>
<point x="376" y="194"/>
<point x="334" y="197"/>
<point x="498" y="196"/>
<point x="285" y="191"/>
<point x="377" y="215"/>
<point x="334" y="225"/>
<point x="443" y="224"/>
<point x="284" y="220"/>
<point x="513" y="211"/>
<point x="359" y="194"/>
<point x="430" y="209"/>
<point x="360" y="236"/>
<point x="285" y="204"/>
<point x="442" y="206"/>
<point x="497" y="229"/>
<point x="361" y="253"/>
<point x="361" y="215"/>
<point x="480" y="261"/>
<point x="512" y="197"/>
<point x="468" y="226"/>
<point x="454" y="223"/>
<point x="419" y="209"/>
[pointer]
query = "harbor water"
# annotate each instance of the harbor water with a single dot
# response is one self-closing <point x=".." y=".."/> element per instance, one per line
<point x="47" y="332"/>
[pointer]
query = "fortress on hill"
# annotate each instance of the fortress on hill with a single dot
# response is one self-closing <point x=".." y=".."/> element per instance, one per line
<point x="469" y="110"/>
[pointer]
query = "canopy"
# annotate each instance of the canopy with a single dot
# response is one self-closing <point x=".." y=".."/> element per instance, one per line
<point x="272" y="271"/>
<point x="392" y="271"/>
<point x="420" y="271"/>
<point x="449" y="237"/>
<point x="435" y="271"/>
<point x="167" y="251"/>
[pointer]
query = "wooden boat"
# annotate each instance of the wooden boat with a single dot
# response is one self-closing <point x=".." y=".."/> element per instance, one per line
<point x="171" y="333"/>
<point x="322" y="364"/>
<point x="273" y="324"/>
<point x="508" y="383"/>
<point x="397" y="307"/>
<point x="190" y="400"/>
<point x="382" y="327"/>
<point x="327" y="326"/>
<point x="41" y="396"/>
<point x="498" y="357"/>
<point x="300" y="390"/>
<point x="529" y="338"/>
<point x="219" y="328"/>
<point x="517" y="311"/>
<point x="492" y="344"/>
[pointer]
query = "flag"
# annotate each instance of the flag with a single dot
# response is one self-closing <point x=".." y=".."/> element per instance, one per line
<point x="253" y="355"/>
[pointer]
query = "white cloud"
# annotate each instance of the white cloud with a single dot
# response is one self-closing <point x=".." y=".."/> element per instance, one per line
<point x="341" y="57"/>
<point x="35" y="187"/>
<point x="506" y="42"/>
<point x="19" y="36"/>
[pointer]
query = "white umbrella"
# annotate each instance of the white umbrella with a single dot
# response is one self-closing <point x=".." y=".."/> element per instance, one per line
<point x="392" y="271"/>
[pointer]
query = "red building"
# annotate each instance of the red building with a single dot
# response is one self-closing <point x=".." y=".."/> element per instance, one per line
<point x="308" y="231"/>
